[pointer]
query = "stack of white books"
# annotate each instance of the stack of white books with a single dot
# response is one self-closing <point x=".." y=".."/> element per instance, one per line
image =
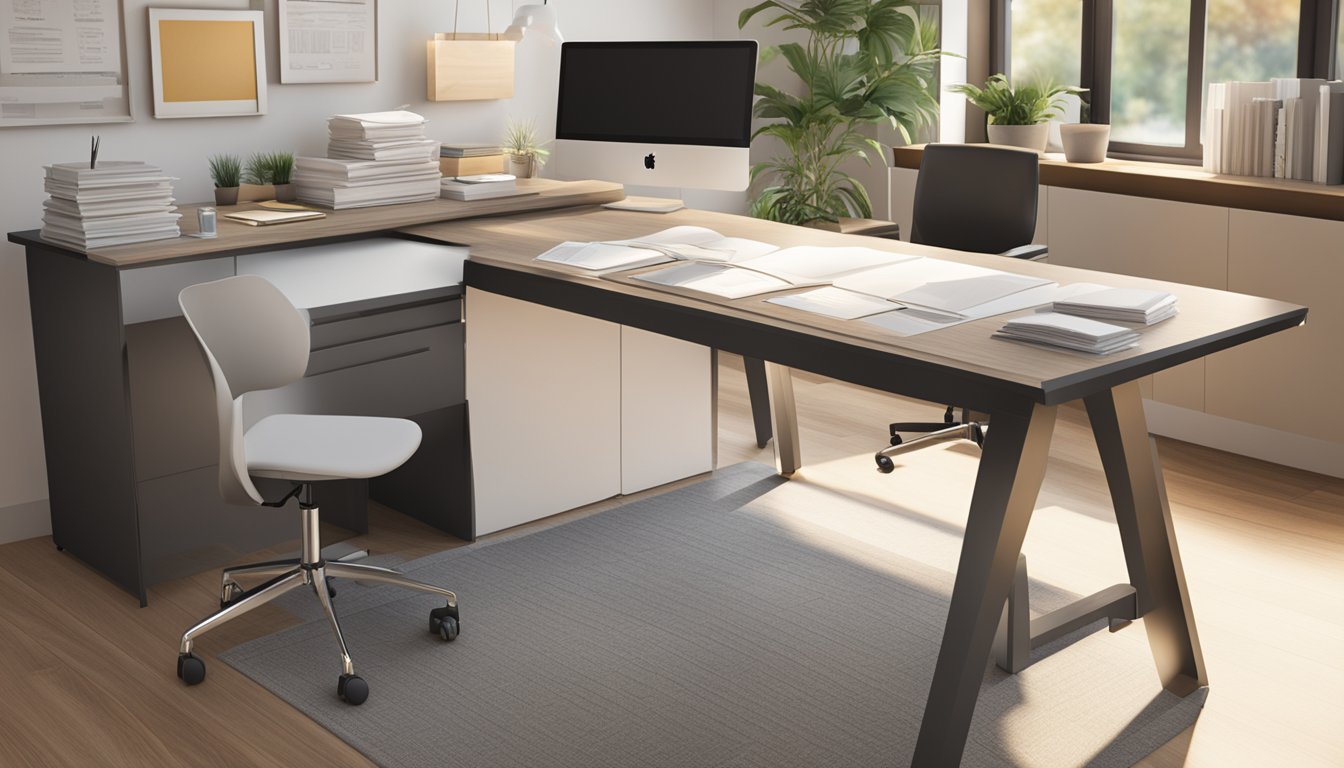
<point x="113" y="203"/>
<point x="379" y="158"/>
<point x="482" y="187"/>
<point x="1127" y="305"/>
<point x="1070" y="332"/>
<point x="1287" y="128"/>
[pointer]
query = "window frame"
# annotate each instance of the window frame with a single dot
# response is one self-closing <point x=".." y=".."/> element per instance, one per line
<point x="1317" y="45"/>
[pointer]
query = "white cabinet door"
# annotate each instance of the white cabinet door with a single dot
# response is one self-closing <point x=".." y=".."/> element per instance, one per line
<point x="1161" y="239"/>
<point x="667" y="409"/>
<point x="1293" y="380"/>
<point x="544" y="400"/>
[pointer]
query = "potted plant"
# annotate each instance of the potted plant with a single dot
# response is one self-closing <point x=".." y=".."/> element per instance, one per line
<point x="865" y="62"/>
<point x="1084" y="141"/>
<point x="522" y="145"/>
<point x="273" y="169"/>
<point x="1018" y="117"/>
<point x="226" y="171"/>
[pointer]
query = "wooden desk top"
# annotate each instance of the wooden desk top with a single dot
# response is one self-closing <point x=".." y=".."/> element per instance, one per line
<point x="1181" y="183"/>
<point x="236" y="238"/>
<point x="502" y="251"/>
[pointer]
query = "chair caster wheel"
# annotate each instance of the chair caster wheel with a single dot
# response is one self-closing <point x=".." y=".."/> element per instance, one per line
<point x="445" y="623"/>
<point x="190" y="669"/>
<point x="352" y="689"/>
<point x="885" y="465"/>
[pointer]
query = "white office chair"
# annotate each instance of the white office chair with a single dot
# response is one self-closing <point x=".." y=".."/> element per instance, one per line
<point x="253" y="339"/>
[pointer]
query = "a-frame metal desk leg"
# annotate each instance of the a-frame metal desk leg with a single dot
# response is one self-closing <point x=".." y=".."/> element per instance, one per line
<point x="1006" y="486"/>
<point x="1134" y="474"/>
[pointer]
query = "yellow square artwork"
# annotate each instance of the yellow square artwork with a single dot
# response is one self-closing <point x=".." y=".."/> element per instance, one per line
<point x="207" y="60"/>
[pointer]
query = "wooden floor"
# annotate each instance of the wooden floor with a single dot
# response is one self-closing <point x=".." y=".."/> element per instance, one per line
<point x="87" y="677"/>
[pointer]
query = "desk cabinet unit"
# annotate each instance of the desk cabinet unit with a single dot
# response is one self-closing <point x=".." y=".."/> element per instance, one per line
<point x="1221" y="400"/>
<point x="567" y="409"/>
<point x="128" y="411"/>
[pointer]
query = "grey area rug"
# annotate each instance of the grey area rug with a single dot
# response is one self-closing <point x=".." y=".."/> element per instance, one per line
<point x="701" y="627"/>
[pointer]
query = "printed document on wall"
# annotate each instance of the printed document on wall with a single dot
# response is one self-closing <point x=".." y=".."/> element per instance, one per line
<point x="61" y="62"/>
<point x="328" y="41"/>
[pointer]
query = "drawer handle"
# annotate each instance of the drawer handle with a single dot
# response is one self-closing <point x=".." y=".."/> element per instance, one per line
<point x="398" y="356"/>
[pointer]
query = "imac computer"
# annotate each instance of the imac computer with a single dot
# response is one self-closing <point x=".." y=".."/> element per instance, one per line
<point x="663" y="114"/>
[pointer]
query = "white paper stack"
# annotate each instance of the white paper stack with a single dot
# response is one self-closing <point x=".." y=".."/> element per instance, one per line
<point x="482" y="187"/>
<point x="114" y="203"/>
<point x="1127" y="305"/>
<point x="379" y="158"/>
<point x="1070" y="332"/>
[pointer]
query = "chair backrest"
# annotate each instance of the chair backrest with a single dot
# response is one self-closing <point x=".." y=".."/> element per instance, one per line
<point x="253" y="338"/>
<point x="974" y="197"/>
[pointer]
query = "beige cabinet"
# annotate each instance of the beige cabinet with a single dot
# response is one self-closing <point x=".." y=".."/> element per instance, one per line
<point x="1290" y="381"/>
<point x="567" y="409"/>
<point x="1161" y="239"/>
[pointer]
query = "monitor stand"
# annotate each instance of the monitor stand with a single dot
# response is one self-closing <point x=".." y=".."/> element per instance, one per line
<point x="646" y="204"/>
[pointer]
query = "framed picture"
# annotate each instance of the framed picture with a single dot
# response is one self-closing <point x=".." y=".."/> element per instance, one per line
<point x="207" y="63"/>
<point x="62" y="62"/>
<point x="328" y="41"/>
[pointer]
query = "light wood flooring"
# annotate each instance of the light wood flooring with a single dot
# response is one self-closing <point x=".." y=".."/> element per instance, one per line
<point x="87" y="676"/>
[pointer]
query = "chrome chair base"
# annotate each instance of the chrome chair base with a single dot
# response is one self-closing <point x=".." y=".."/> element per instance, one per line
<point x="312" y="571"/>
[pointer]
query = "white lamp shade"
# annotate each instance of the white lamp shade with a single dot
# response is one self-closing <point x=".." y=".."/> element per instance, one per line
<point x="539" y="18"/>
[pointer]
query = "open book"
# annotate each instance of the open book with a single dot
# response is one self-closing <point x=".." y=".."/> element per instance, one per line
<point x="675" y="244"/>
<point x="779" y="270"/>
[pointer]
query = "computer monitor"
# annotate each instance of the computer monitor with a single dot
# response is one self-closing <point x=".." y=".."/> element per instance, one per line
<point x="665" y="114"/>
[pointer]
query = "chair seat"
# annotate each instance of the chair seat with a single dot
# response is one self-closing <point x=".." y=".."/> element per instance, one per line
<point x="308" y="448"/>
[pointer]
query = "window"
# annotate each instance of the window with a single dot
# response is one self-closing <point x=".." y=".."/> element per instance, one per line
<point x="1148" y="63"/>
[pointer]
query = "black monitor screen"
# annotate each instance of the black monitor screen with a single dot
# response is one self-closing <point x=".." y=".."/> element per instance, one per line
<point x="663" y="93"/>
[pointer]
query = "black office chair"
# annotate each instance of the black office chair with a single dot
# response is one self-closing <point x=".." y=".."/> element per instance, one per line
<point x="971" y="197"/>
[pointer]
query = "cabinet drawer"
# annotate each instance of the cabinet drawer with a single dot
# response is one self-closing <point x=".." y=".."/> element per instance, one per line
<point x="400" y="375"/>
<point x="372" y="325"/>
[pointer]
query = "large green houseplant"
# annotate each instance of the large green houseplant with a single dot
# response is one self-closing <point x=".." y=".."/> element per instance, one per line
<point x="865" y="62"/>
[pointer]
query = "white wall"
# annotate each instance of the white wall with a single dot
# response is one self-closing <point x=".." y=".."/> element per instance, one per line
<point x="295" y="122"/>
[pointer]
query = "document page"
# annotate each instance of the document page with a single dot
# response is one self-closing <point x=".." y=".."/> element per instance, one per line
<point x="886" y="282"/>
<point x="804" y="264"/>
<point x="603" y="256"/>
<point x="717" y="279"/>
<point x="328" y="41"/>
<point x="962" y="294"/>
<point x="835" y="302"/>
<point x="699" y="244"/>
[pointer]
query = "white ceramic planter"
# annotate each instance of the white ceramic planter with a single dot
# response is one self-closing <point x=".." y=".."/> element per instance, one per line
<point x="1084" y="143"/>
<point x="1031" y="137"/>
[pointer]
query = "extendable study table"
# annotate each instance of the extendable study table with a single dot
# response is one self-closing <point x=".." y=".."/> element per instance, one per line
<point x="1019" y="386"/>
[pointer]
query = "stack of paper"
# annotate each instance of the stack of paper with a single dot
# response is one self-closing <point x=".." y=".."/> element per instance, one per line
<point x="380" y="158"/>
<point x="470" y="150"/>
<point x="1070" y="332"/>
<point x="482" y="187"/>
<point x="1129" y="305"/>
<point x="113" y="203"/>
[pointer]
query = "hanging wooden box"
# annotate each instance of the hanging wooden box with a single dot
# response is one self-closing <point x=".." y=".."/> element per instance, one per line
<point x="467" y="66"/>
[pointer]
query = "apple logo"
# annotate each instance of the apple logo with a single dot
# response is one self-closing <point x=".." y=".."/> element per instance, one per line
<point x="648" y="161"/>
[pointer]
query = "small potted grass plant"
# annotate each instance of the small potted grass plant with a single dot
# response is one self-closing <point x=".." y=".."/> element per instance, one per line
<point x="522" y="145"/>
<point x="275" y="169"/>
<point x="1018" y="117"/>
<point x="227" y="173"/>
